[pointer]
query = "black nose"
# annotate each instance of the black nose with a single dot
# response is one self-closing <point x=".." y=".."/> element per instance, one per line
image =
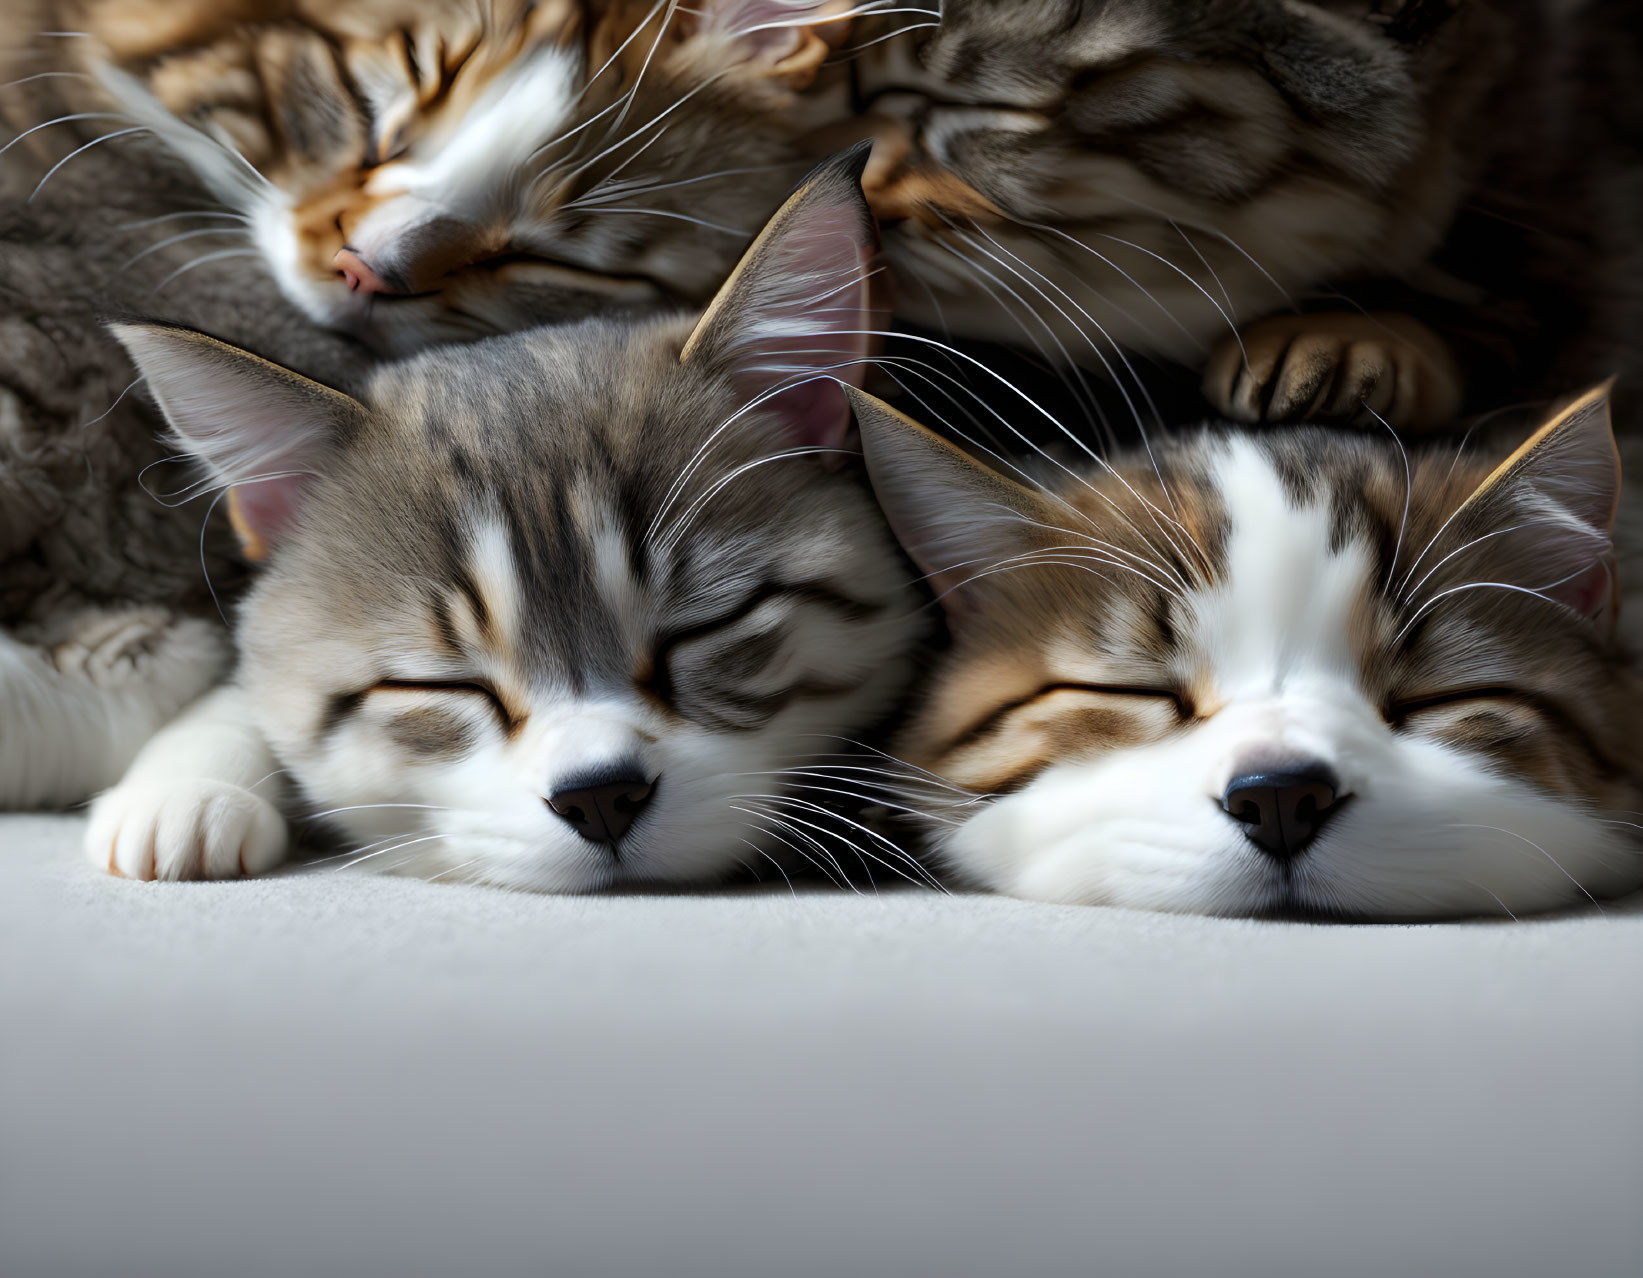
<point x="601" y="809"/>
<point x="1282" y="812"/>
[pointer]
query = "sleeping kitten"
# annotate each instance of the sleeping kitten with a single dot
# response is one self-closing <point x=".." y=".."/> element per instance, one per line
<point x="1457" y="184"/>
<point x="553" y="610"/>
<point x="1285" y="671"/>
<point x="190" y="160"/>
<point x="414" y="171"/>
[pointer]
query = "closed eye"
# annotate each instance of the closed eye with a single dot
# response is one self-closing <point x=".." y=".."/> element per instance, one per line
<point x="727" y="668"/>
<point x="1401" y="709"/>
<point x="995" y="719"/>
<point x="569" y="273"/>
<point x="1183" y="707"/>
<point x="454" y="687"/>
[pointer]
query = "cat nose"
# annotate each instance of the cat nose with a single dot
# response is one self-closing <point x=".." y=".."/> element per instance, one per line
<point x="359" y="277"/>
<point x="603" y="808"/>
<point x="1282" y="812"/>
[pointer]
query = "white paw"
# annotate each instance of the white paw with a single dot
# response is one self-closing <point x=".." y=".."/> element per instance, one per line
<point x="192" y="829"/>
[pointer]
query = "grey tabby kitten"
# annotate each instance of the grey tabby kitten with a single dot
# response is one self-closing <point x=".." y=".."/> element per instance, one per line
<point x="560" y="610"/>
<point x="405" y="171"/>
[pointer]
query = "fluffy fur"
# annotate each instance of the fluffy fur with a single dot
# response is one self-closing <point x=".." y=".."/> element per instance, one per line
<point x="1453" y="183"/>
<point x="107" y="622"/>
<point x="1088" y="179"/>
<point x="512" y="570"/>
<point x="192" y="162"/>
<point x="1434" y="643"/>
<point x="443" y="170"/>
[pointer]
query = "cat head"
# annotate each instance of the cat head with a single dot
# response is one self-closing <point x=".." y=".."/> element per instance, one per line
<point x="1276" y="672"/>
<point x="556" y="610"/>
<point x="422" y="170"/>
<point x="1156" y="171"/>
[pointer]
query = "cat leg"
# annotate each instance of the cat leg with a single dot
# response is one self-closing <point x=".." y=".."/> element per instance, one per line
<point x="1337" y="368"/>
<point x="75" y="711"/>
<point x="201" y="800"/>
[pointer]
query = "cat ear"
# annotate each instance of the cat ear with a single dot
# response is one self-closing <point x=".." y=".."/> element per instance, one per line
<point x="794" y="313"/>
<point x="786" y="39"/>
<point x="953" y="515"/>
<point x="258" y="427"/>
<point x="1562" y="488"/>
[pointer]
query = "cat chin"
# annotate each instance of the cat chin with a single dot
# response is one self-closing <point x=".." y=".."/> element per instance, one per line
<point x="1429" y="832"/>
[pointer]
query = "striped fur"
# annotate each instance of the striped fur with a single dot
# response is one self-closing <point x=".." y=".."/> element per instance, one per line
<point x="494" y="162"/>
<point x="1153" y="174"/>
<point x="1081" y="178"/>
<point x="518" y="563"/>
<point x="1128" y="640"/>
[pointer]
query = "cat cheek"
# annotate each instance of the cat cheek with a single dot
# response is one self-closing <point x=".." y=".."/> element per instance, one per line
<point x="433" y="734"/>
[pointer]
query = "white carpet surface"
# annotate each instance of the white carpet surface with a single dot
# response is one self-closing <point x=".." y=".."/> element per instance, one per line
<point x="331" y="1073"/>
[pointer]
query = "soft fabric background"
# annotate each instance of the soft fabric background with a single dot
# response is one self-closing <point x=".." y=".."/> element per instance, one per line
<point x="332" y="1073"/>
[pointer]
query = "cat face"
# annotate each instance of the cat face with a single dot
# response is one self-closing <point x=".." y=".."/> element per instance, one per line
<point x="1247" y="681"/>
<point x="1151" y="173"/>
<point x="556" y="610"/>
<point x="415" y="171"/>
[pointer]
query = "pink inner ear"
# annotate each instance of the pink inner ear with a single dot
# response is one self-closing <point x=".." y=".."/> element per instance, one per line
<point x="1590" y="593"/>
<point x="263" y="509"/>
<point x="810" y="326"/>
<point x="816" y="414"/>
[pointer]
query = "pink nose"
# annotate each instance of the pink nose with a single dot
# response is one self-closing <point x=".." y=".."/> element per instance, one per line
<point x="360" y="278"/>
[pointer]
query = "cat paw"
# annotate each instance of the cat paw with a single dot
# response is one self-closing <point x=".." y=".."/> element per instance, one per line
<point x="194" y="829"/>
<point x="1354" y="369"/>
<point x="118" y="647"/>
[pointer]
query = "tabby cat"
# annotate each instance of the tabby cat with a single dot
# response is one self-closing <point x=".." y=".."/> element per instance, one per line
<point x="1293" y="671"/>
<point x="414" y="171"/>
<point x="1089" y="179"/>
<point x="192" y="161"/>
<point x="557" y="610"/>
<point x="1456" y="184"/>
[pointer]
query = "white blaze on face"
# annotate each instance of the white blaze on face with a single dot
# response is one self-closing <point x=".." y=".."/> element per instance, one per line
<point x="1275" y="635"/>
<point x="496" y="578"/>
<point x="1425" y="829"/>
<point x="1285" y="605"/>
<point x="495" y="142"/>
<point x="473" y="172"/>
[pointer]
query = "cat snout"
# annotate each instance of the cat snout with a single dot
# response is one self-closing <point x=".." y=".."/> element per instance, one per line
<point x="358" y="275"/>
<point x="1282" y="811"/>
<point x="602" y="806"/>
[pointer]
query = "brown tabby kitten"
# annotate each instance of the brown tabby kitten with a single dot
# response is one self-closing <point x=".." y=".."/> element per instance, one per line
<point x="1459" y="181"/>
<point x="1285" y="670"/>
<point x="422" y="170"/>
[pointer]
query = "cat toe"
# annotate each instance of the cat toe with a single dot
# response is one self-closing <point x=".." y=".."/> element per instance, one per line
<point x="1304" y="380"/>
<point x="189" y="830"/>
<point x="1366" y="389"/>
<point x="1363" y="370"/>
<point x="1238" y="374"/>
